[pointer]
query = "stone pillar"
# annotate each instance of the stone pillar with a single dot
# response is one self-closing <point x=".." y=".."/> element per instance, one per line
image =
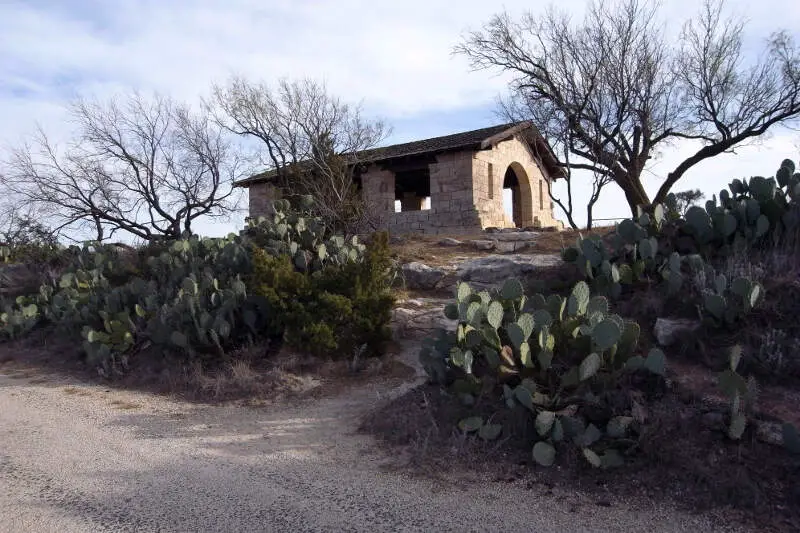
<point x="378" y="190"/>
<point x="452" y="199"/>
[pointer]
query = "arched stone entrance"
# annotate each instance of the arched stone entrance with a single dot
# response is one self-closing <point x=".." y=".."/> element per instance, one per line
<point x="521" y="195"/>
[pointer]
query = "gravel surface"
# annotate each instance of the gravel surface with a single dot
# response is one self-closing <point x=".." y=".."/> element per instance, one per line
<point x="81" y="458"/>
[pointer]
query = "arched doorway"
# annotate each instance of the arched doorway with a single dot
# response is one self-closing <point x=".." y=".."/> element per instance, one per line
<point x="518" y="196"/>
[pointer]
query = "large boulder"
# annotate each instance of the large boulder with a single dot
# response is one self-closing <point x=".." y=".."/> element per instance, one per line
<point x="509" y="247"/>
<point x="482" y="244"/>
<point x="493" y="270"/>
<point x="516" y="236"/>
<point x="420" y="276"/>
<point x="420" y="318"/>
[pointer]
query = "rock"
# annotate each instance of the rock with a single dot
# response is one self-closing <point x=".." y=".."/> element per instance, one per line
<point x="492" y="229"/>
<point x="669" y="330"/>
<point x="769" y="432"/>
<point x="482" y="244"/>
<point x="507" y="247"/>
<point x="714" y="421"/>
<point x="421" y="276"/>
<point x="394" y="239"/>
<point x="449" y="241"/>
<point x="420" y="318"/>
<point x="516" y="236"/>
<point x="495" y="269"/>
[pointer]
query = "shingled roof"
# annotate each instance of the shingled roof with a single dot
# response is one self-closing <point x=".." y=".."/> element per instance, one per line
<point x="478" y="139"/>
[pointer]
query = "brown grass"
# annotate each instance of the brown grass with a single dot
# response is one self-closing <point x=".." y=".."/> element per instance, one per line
<point x="74" y="391"/>
<point x="124" y="405"/>
<point x="747" y="481"/>
<point x="426" y="248"/>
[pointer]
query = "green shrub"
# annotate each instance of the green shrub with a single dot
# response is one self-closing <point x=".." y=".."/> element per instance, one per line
<point x="18" y="319"/>
<point x="728" y="304"/>
<point x="333" y="311"/>
<point x="554" y="357"/>
<point x="190" y="300"/>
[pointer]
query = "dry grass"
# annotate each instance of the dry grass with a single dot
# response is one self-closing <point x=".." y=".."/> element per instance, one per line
<point x="124" y="405"/>
<point x="242" y="373"/>
<point x="75" y="391"/>
<point x="426" y="248"/>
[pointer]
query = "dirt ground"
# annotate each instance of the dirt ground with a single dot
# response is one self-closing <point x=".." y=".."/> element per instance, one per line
<point x="78" y="457"/>
<point x="748" y="482"/>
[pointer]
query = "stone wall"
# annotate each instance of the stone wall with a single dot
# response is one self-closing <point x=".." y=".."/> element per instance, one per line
<point x="378" y="191"/>
<point x="464" y="197"/>
<point x="452" y="202"/>
<point x="261" y="197"/>
<point x="488" y="193"/>
<point x="451" y="211"/>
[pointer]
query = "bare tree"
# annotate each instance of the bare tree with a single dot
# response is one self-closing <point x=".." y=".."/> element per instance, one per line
<point x="686" y="199"/>
<point x="20" y="225"/>
<point x="311" y="142"/>
<point x="148" y="166"/>
<point x="615" y="89"/>
<point x="599" y="180"/>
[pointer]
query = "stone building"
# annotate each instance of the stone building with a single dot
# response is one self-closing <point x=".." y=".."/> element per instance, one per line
<point x="451" y="184"/>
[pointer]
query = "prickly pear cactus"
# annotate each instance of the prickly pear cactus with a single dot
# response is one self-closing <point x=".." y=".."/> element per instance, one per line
<point x="304" y="238"/>
<point x="541" y="351"/>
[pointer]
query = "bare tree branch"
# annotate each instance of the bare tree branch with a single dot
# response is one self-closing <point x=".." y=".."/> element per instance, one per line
<point x="148" y="167"/>
<point x="309" y="139"/>
<point x="613" y="88"/>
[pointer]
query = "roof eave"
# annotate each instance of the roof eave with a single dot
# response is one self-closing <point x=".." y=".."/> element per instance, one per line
<point x="542" y="149"/>
<point x="505" y="134"/>
<point x="545" y="155"/>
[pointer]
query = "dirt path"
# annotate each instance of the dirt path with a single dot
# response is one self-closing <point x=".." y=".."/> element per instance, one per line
<point x="82" y="458"/>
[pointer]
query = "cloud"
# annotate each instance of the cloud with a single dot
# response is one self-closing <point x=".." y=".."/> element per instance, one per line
<point x="395" y="56"/>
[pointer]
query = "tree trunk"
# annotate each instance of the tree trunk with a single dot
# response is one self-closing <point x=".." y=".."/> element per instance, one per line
<point x="99" y="229"/>
<point x="634" y="191"/>
<point x="589" y="208"/>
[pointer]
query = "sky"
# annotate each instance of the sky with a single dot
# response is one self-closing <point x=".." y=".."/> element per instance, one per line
<point x="393" y="57"/>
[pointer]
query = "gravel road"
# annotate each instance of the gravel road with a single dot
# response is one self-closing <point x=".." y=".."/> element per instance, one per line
<point x="81" y="458"/>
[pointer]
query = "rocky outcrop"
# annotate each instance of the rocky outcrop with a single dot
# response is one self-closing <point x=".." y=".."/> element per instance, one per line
<point x="419" y="276"/>
<point x="482" y="244"/>
<point x="493" y="270"/>
<point x="481" y="272"/>
<point x="419" y="318"/>
<point x="505" y="242"/>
